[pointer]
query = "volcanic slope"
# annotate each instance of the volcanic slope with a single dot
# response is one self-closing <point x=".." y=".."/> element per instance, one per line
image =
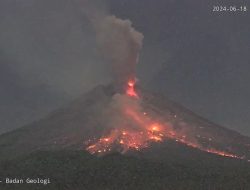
<point x="72" y="126"/>
<point x="81" y="170"/>
<point x="55" y="148"/>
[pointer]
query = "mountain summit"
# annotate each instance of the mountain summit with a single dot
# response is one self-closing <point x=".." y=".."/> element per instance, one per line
<point x="95" y="120"/>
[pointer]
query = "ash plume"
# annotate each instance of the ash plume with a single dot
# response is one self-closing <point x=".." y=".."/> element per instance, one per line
<point x="120" y="44"/>
<point x="117" y="40"/>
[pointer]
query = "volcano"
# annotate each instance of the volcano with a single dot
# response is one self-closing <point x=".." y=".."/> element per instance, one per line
<point x="93" y="123"/>
<point x="122" y="137"/>
<point x="92" y="144"/>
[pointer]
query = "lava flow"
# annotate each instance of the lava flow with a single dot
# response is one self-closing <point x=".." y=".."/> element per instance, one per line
<point x="127" y="124"/>
<point x="140" y="129"/>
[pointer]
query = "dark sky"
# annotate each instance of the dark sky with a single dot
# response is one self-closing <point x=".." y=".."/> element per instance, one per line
<point x="196" y="57"/>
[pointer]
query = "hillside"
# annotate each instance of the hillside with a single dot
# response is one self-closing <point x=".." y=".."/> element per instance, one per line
<point x="54" y="148"/>
<point x="71" y="126"/>
<point x="80" y="170"/>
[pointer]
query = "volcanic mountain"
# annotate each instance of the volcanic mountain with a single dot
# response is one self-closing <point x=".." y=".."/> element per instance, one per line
<point x="93" y="121"/>
<point x="110" y="140"/>
<point x="120" y="136"/>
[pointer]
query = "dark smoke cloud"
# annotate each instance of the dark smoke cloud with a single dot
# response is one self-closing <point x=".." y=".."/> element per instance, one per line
<point x="50" y="49"/>
<point x="120" y="43"/>
<point x="117" y="40"/>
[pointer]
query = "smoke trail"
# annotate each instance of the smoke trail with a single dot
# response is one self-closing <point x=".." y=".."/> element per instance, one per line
<point x="117" y="40"/>
<point x="120" y="44"/>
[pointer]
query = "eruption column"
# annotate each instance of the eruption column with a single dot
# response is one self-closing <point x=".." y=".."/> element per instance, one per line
<point x="120" y="44"/>
<point x="130" y="91"/>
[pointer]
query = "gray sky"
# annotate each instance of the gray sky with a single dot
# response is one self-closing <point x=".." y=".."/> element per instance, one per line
<point x="194" y="56"/>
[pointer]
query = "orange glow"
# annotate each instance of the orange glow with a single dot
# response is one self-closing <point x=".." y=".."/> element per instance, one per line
<point x="141" y="130"/>
<point x="130" y="90"/>
<point x="156" y="138"/>
<point x="155" y="128"/>
<point x="222" y="153"/>
<point x="124" y="133"/>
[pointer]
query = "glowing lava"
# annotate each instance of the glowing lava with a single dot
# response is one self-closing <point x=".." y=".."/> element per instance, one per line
<point x="130" y="90"/>
<point x="139" y="129"/>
